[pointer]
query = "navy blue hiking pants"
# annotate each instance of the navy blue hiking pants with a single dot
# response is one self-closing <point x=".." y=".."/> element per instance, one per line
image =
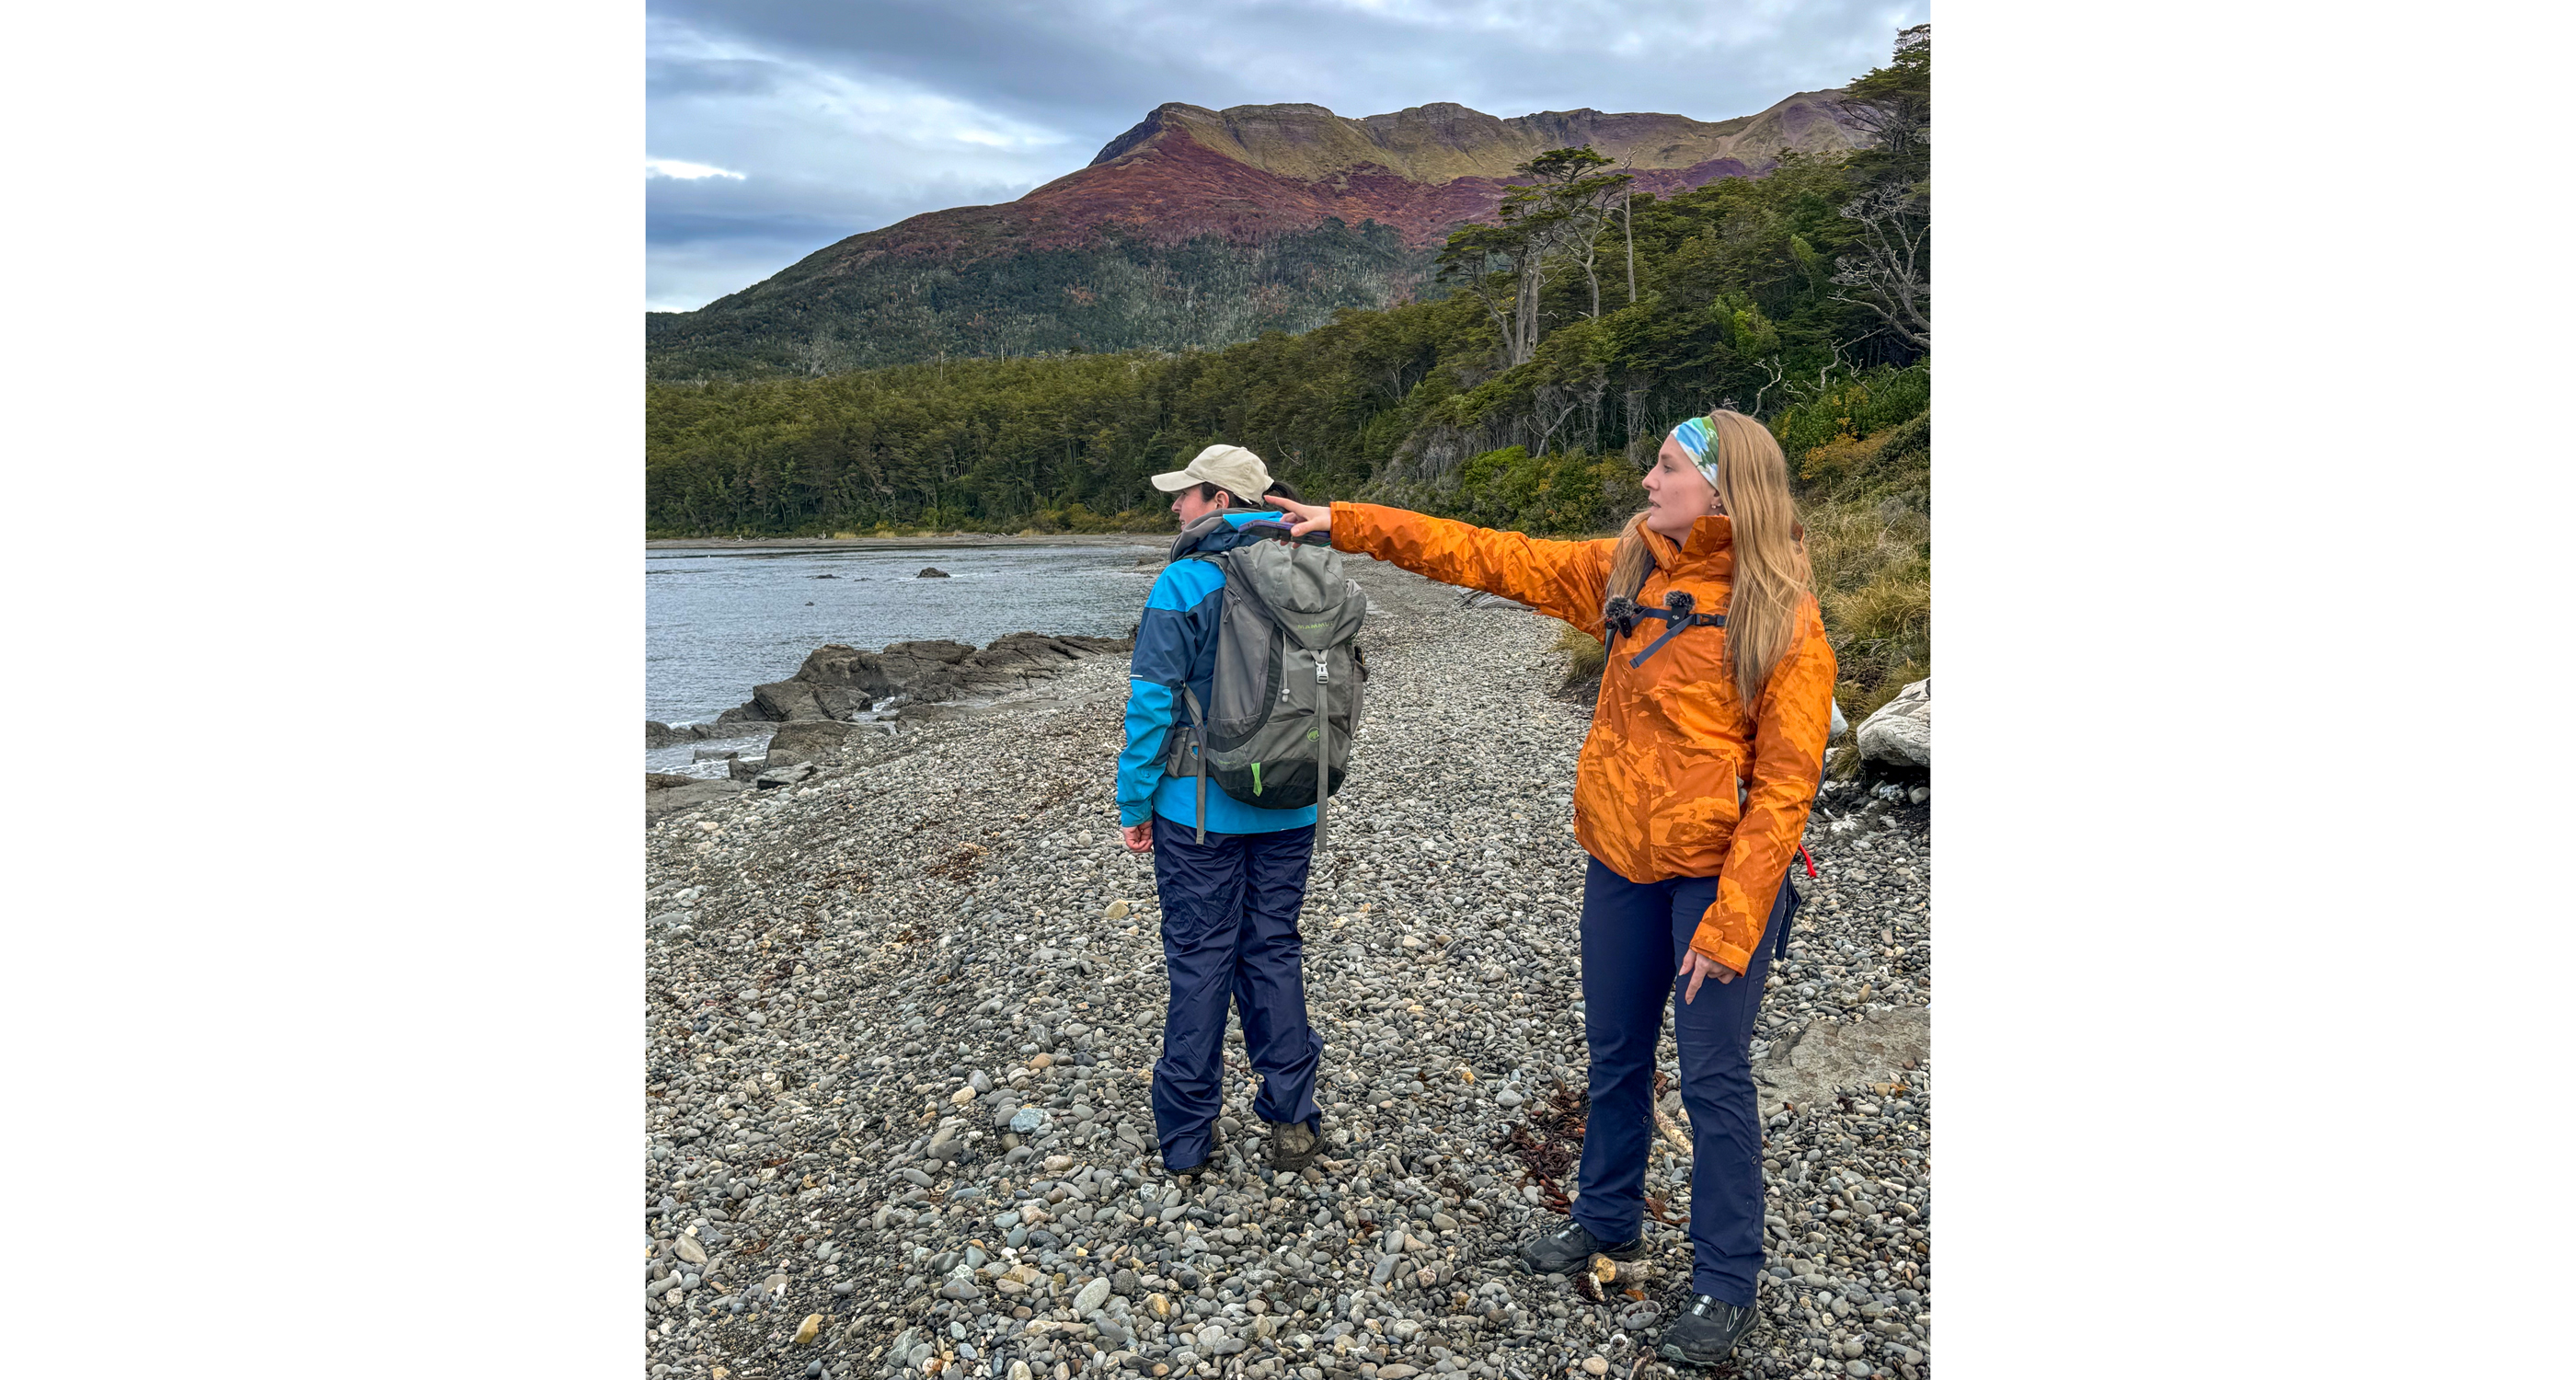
<point x="1230" y="935"/>
<point x="1634" y="940"/>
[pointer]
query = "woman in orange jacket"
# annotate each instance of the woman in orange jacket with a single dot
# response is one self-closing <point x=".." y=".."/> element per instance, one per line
<point x="1706" y="750"/>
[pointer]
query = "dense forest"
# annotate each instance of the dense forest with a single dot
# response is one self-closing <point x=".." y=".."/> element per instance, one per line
<point x="1575" y="330"/>
<point x="823" y="316"/>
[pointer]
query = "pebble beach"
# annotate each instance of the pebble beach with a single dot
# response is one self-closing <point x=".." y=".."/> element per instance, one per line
<point x="900" y="1019"/>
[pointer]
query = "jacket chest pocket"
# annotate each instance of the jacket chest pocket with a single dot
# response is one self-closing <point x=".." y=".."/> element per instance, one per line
<point x="1703" y="799"/>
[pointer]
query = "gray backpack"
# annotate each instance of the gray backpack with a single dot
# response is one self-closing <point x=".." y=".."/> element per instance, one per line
<point x="1286" y="697"/>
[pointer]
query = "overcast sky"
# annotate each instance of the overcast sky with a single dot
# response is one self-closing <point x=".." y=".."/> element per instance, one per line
<point x="776" y="127"/>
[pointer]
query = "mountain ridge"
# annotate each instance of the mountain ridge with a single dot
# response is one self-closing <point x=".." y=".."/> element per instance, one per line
<point x="1197" y="228"/>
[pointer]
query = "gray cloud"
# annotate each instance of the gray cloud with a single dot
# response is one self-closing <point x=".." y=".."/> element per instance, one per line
<point x="846" y="117"/>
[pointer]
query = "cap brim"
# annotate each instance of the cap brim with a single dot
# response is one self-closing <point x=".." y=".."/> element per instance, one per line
<point x="1174" y="482"/>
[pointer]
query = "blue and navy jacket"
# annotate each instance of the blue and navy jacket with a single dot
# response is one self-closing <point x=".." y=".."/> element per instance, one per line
<point x="1176" y="646"/>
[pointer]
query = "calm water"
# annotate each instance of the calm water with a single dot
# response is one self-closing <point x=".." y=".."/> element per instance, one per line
<point x="717" y="623"/>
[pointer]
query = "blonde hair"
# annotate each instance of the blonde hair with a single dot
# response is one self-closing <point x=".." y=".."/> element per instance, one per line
<point x="1772" y="579"/>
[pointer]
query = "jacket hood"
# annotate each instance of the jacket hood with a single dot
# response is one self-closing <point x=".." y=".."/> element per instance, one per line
<point x="1225" y="531"/>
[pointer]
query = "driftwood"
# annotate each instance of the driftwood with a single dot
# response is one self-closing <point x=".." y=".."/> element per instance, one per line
<point x="1605" y="1276"/>
<point x="1675" y="1134"/>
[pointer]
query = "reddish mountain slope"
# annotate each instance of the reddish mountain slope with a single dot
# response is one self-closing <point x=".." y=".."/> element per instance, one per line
<point x="1251" y="172"/>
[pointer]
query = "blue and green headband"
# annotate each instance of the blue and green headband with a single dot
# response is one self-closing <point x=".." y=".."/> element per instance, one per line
<point x="1697" y="443"/>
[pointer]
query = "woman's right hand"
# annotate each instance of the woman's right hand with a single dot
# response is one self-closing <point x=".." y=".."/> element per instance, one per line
<point x="1310" y="517"/>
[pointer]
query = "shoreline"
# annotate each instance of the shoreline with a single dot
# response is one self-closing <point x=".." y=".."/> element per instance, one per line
<point x="904" y="543"/>
<point x="901" y="1018"/>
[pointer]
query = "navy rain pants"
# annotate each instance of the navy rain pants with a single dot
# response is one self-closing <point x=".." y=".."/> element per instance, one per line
<point x="1634" y="940"/>
<point x="1230" y="935"/>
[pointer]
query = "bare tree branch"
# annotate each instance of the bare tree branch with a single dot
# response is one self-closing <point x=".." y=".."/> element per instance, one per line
<point x="1889" y="275"/>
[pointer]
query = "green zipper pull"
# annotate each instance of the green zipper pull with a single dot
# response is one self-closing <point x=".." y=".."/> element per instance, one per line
<point x="1256" y="778"/>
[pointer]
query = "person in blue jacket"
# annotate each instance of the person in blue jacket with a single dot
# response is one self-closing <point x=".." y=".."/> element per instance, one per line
<point x="1230" y="903"/>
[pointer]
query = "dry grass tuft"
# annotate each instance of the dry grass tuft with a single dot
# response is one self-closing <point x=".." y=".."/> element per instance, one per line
<point x="1873" y="568"/>
<point x="1585" y="656"/>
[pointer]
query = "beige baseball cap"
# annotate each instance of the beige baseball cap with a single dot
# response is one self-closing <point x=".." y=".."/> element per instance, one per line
<point x="1231" y="468"/>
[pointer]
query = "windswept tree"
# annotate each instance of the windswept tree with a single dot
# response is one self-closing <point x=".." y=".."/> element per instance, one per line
<point x="1561" y="213"/>
<point x="1581" y="199"/>
<point x="1894" y="103"/>
<point x="1505" y="264"/>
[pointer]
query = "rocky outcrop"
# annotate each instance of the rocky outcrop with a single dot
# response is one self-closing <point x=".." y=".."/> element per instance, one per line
<point x="664" y="800"/>
<point x="1900" y="733"/>
<point x="932" y="572"/>
<point x="658" y="734"/>
<point x="837" y="682"/>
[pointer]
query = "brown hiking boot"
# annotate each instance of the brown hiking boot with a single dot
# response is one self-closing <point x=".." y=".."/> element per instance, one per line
<point x="1292" y="1145"/>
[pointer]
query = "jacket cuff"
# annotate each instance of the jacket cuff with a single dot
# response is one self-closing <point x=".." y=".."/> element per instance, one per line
<point x="1129" y="816"/>
<point x="1707" y="941"/>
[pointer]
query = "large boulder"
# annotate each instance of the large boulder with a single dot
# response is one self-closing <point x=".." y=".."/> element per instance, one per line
<point x="818" y="741"/>
<point x="1825" y="1058"/>
<point x="787" y="701"/>
<point x="1900" y="733"/>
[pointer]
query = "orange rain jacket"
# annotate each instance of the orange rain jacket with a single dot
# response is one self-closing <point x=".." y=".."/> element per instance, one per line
<point x="1656" y="792"/>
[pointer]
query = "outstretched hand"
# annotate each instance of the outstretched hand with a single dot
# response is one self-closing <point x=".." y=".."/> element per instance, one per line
<point x="1310" y="517"/>
<point x="1698" y="966"/>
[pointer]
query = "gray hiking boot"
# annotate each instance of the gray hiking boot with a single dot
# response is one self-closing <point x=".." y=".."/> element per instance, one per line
<point x="1704" y="1335"/>
<point x="1565" y="1252"/>
<point x="1292" y="1145"/>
